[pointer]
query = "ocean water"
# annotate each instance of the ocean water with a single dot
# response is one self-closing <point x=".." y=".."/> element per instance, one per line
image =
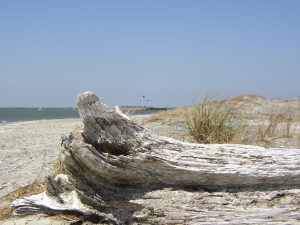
<point x="8" y="115"/>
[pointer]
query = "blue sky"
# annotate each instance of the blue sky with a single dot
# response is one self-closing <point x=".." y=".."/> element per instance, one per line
<point x="171" y="51"/>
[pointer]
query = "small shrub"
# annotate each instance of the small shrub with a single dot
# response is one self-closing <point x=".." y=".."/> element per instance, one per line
<point x="211" y="122"/>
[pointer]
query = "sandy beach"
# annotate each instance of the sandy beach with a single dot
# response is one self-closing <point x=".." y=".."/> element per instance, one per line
<point x="29" y="149"/>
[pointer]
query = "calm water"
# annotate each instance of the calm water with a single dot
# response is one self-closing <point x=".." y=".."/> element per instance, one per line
<point x="8" y="115"/>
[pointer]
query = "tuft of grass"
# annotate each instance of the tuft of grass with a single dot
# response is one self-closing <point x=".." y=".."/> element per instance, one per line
<point x="211" y="122"/>
<point x="278" y="127"/>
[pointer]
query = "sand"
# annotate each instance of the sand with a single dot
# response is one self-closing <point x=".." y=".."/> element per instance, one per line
<point x="29" y="149"/>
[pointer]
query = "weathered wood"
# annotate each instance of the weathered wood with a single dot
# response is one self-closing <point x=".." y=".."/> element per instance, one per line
<point x="116" y="169"/>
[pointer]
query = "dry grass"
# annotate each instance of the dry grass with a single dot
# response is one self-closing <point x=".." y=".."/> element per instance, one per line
<point x="31" y="189"/>
<point x="6" y="212"/>
<point x="278" y="127"/>
<point x="246" y="98"/>
<point x="213" y="123"/>
<point x="298" y="140"/>
<point x="58" y="168"/>
<point x="28" y="190"/>
<point x="168" y="117"/>
<point x="277" y="130"/>
<point x="36" y="187"/>
<point x="258" y="126"/>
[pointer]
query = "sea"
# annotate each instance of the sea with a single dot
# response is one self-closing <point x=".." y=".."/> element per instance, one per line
<point x="10" y="115"/>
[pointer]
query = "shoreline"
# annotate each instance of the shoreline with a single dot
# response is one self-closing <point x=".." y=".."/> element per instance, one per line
<point x="34" y="120"/>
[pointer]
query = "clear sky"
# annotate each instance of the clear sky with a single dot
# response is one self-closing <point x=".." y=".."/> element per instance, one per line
<point x="171" y="51"/>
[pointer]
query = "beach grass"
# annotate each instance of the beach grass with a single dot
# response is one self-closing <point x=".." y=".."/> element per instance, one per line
<point x="210" y="122"/>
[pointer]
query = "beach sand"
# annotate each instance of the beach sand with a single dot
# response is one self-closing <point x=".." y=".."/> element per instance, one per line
<point x="29" y="149"/>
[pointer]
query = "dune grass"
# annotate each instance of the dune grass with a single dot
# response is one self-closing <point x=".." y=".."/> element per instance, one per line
<point x="277" y="127"/>
<point x="229" y="121"/>
<point x="170" y="116"/>
<point x="210" y="122"/>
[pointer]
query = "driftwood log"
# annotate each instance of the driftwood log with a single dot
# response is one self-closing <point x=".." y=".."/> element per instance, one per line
<point x="118" y="172"/>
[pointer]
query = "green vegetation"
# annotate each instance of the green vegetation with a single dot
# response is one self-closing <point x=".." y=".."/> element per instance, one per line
<point x="211" y="122"/>
<point x="245" y="119"/>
